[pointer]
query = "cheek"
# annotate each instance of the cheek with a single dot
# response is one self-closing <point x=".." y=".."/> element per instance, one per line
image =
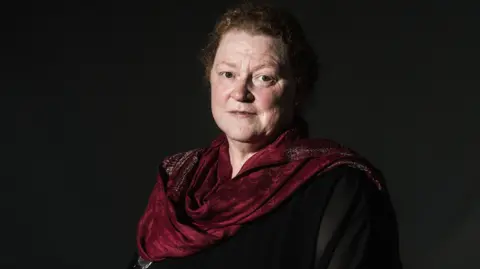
<point x="270" y="99"/>
<point x="217" y="93"/>
<point x="279" y="103"/>
<point x="268" y="102"/>
<point x="214" y="88"/>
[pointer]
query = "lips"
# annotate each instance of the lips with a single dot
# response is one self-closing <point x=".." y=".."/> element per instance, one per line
<point x="242" y="113"/>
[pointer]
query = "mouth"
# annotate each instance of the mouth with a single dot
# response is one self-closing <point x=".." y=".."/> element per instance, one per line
<point x="242" y="113"/>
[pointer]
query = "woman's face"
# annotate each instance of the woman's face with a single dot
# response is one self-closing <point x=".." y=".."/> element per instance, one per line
<point x="252" y="88"/>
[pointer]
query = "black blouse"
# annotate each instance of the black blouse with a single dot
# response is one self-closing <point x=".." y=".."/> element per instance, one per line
<point x="336" y="221"/>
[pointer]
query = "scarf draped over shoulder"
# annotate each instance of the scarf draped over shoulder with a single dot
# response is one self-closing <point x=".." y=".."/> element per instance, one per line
<point x="196" y="203"/>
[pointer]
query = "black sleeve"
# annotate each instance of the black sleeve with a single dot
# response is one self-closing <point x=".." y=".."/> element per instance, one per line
<point x="358" y="229"/>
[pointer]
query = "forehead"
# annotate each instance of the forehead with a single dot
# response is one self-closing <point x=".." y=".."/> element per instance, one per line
<point x="259" y="47"/>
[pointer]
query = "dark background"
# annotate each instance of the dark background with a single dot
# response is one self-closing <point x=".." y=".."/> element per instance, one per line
<point x="95" y="94"/>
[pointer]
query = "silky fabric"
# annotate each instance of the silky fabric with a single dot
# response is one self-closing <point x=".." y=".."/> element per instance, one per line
<point x="336" y="220"/>
<point x="195" y="203"/>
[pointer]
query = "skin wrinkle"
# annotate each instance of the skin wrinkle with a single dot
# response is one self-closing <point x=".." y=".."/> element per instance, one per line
<point x="251" y="74"/>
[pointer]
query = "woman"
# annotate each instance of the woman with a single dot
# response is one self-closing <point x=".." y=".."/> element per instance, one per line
<point x="263" y="194"/>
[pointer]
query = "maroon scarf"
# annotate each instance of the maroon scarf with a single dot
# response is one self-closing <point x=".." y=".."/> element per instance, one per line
<point x="195" y="202"/>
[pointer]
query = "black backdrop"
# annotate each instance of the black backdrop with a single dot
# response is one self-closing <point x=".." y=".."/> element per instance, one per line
<point x="96" y="93"/>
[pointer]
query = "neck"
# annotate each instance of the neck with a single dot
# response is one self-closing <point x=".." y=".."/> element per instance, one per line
<point x="239" y="153"/>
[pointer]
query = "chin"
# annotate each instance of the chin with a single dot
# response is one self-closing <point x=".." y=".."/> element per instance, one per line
<point x="241" y="135"/>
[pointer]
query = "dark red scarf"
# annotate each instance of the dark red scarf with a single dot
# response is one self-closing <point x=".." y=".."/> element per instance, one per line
<point x="195" y="202"/>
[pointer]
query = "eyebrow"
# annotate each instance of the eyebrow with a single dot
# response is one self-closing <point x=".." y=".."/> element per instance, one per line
<point x="233" y="65"/>
<point x="260" y="66"/>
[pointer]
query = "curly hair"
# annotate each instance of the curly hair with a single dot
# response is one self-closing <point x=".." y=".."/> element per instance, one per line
<point x="264" y="19"/>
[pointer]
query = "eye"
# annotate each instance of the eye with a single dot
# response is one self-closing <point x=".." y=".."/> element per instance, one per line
<point x="227" y="74"/>
<point x="264" y="80"/>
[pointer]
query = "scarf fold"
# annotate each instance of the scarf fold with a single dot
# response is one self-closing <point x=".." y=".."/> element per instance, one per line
<point x="195" y="203"/>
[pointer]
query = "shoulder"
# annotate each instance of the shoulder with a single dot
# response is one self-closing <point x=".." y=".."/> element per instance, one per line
<point x="352" y="192"/>
<point x="355" y="194"/>
<point x="336" y="158"/>
<point x="348" y="187"/>
<point x="357" y="213"/>
<point x="170" y="163"/>
<point x="317" y="148"/>
<point x="318" y="143"/>
<point x="351" y="176"/>
<point x="348" y="180"/>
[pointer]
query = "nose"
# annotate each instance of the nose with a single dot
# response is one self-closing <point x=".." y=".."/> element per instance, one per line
<point x="241" y="93"/>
